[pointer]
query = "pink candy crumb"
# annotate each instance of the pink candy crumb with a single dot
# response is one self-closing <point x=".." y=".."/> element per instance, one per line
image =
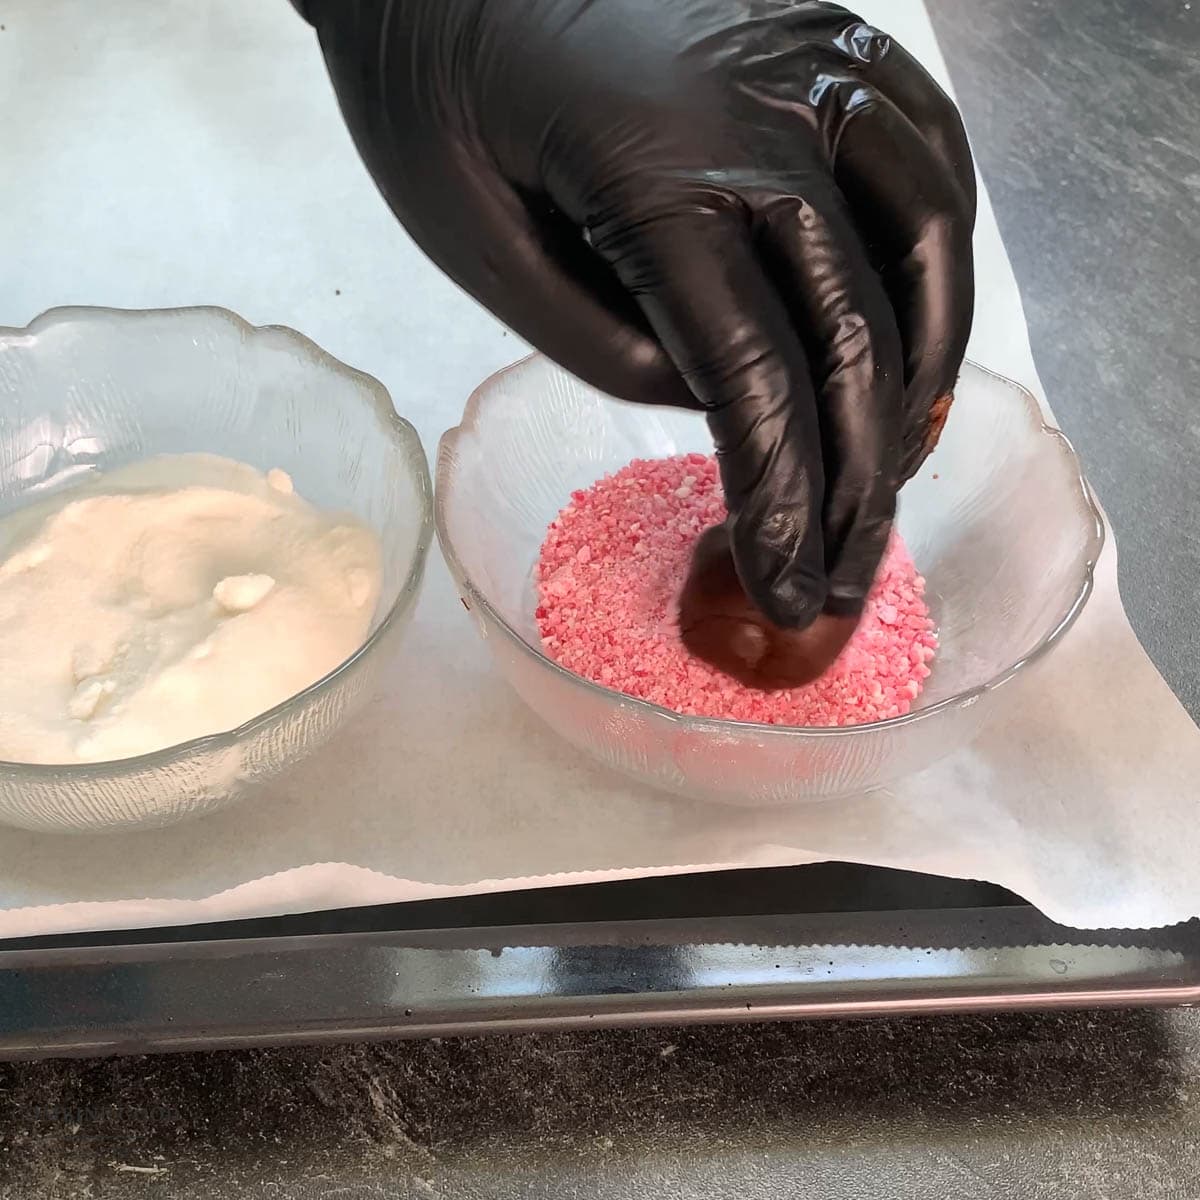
<point x="609" y="576"/>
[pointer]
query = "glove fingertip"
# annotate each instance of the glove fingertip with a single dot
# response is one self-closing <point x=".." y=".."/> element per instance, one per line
<point x="848" y="605"/>
<point x="854" y="578"/>
<point x="790" y="590"/>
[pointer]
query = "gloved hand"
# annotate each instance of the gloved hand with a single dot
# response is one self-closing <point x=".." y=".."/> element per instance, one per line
<point x="763" y="208"/>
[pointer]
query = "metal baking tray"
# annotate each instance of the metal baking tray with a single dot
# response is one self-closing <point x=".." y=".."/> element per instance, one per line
<point x="814" y="941"/>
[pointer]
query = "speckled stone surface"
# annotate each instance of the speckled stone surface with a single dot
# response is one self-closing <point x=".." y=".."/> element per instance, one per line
<point x="1086" y="122"/>
<point x="1087" y="127"/>
<point x="1099" y="1105"/>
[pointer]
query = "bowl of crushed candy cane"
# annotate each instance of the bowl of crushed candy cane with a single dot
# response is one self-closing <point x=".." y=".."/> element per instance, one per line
<point x="569" y="521"/>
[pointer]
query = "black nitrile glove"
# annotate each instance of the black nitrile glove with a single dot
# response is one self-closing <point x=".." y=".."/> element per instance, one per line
<point x="761" y="207"/>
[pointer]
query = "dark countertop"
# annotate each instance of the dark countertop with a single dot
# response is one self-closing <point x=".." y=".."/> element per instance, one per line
<point x="1089" y="135"/>
<point x="1087" y="129"/>
<point x="1100" y="1105"/>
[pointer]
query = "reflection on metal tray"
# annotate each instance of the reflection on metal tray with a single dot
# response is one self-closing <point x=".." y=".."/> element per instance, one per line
<point x="811" y="941"/>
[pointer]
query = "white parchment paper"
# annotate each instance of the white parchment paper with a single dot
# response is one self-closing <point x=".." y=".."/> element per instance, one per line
<point x="196" y="156"/>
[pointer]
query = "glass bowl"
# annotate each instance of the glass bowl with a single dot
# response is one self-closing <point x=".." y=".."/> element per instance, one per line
<point x="1000" y="521"/>
<point x="85" y="389"/>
